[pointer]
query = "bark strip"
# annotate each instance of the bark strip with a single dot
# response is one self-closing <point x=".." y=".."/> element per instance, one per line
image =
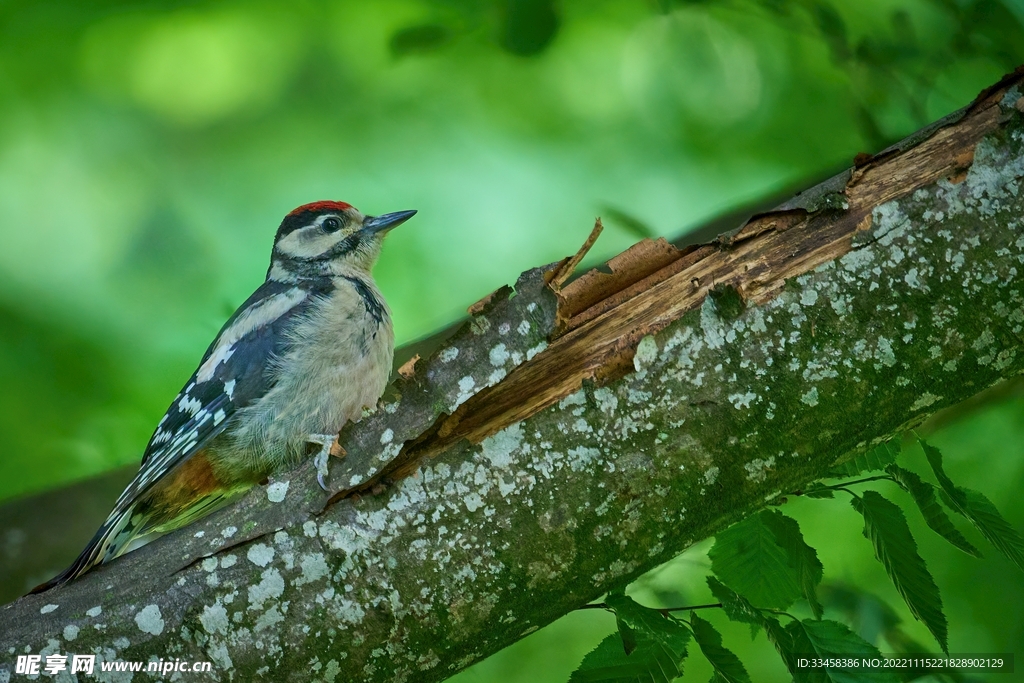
<point x="601" y="317"/>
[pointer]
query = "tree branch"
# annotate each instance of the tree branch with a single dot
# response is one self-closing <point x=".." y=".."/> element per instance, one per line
<point x="567" y="439"/>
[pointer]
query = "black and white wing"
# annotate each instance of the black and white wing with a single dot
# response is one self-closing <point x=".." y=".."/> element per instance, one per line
<point x="233" y="374"/>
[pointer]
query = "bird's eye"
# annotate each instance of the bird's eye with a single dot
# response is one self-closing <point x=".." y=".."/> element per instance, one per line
<point x="332" y="224"/>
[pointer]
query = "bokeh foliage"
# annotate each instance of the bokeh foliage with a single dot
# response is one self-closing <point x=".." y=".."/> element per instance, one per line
<point x="148" y="150"/>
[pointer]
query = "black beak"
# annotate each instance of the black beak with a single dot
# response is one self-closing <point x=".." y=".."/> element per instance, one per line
<point x="375" y="224"/>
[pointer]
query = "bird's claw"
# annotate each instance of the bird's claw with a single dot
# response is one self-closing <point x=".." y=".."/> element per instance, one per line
<point x="321" y="472"/>
<point x="322" y="459"/>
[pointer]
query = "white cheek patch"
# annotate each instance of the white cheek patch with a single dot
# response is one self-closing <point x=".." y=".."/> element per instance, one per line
<point x="309" y="242"/>
<point x="260" y="315"/>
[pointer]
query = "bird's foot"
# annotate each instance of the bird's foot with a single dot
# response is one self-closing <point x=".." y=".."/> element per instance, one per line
<point x="328" y="446"/>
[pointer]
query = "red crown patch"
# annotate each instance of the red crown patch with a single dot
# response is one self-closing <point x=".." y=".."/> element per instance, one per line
<point x="321" y="206"/>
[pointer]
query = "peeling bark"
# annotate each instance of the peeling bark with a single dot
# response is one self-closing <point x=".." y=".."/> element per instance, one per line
<point x="568" y="438"/>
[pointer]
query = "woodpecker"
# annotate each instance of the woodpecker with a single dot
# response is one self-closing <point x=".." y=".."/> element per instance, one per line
<point x="306" y="353"/>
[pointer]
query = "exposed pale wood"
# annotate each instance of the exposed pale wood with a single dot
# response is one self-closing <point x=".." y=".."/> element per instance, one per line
<point x="606" y="312"/>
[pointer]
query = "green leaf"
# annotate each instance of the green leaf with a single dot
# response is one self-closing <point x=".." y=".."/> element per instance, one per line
<point x="654" y="651"/>
<point x="803" y="648"/>
<point x="626" y="634"/>
<point x="735" y="606"/>
<point x="978" y="509"/>
<point x="802" y="557"/>
<point x="830" y="639"/>
<point x="934" y="456"/>
<point x="993" y="526"/>
<point x="726" y="664"/>
<point x="875" y="459"/>
<point x="923" y="494"/>
<point x="783" y="643"/>
<point x="886" y="527"/>
<point x="607" y="663"/>
<point x="748" y="559"/>
<point x="738" y="608"/>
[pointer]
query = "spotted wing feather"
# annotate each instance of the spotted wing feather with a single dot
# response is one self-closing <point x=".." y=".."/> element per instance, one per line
<point x="235" y="372"/>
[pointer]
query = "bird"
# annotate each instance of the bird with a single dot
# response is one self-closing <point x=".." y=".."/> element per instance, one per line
<point x="306" y="353"/>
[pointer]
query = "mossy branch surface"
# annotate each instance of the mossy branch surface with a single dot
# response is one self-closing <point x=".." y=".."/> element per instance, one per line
<point x="565" y="441"/>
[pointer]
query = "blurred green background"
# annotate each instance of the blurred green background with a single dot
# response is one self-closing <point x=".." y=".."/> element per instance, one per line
<point x="149" y="149"/>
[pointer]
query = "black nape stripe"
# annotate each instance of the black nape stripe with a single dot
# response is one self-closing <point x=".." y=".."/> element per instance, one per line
<point x="294" y="221"/>
<point x="373" y="305"/>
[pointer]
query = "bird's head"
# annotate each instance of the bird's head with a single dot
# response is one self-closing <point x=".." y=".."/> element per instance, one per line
<point x="329" y="238"/>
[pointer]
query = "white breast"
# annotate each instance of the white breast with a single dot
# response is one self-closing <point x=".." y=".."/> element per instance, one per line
<point x="338" y="365"/>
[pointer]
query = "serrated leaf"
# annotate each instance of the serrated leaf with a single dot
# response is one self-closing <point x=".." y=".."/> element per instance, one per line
<point x="803" y="647"/>
<point x="993" y="526"/>
<point x="978" y="509"/>
<point x="886" y="528"/>
<point x="783" y="644"/>
<point x="748" y="559"/>
<point x="802" y="557"/>
<point x="648" y="663"/>
<point x="649" y="642"/>
<point x="830" y="639"/>
<point x="727" y="665"/>
<point x="626" y="635"/>
<point x="875" y="459"/>
<point x="735" y="606"/>
<point x="607" y="663"/>
<point x="935" y="517"/>
<point x="934" y="456"/>
<point x="645" y="619"/>
<point x="738" y="608"/>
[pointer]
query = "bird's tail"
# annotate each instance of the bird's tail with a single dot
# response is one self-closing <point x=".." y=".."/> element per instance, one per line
<point x="137" y="520"/>
<point x="110" y="541"/>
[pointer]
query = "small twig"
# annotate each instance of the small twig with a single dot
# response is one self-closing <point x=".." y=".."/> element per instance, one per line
<point x="666" y="610"/>
<point x="867" y="479"/>
<point x="558" y="278"/>
<point x="837" y="487"/>
<point x="841" y="487"/>
<point x="663" y="610"/>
